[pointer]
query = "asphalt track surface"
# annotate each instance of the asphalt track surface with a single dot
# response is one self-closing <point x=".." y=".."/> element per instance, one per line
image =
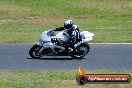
<point x="100" y="57"/>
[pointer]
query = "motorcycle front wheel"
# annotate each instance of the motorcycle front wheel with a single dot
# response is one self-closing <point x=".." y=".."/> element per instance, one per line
<point x="81" y="51"/>
<point x="33" y="52"/>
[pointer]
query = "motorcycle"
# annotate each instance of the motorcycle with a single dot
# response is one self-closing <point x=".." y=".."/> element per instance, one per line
<point x="52" y="44"/>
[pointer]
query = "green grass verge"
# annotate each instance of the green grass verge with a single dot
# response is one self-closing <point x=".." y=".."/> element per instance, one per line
<point x="24" y="20"/>
<point x="53" y="79"/>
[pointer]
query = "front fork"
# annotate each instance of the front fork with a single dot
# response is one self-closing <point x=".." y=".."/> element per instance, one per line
<point x="40" y="49"/>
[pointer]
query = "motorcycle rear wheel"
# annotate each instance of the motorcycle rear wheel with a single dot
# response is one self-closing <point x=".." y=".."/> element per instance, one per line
<point x="81" y="53"/>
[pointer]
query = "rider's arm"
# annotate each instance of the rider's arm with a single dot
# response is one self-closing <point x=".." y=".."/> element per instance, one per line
<point x="78" y="37"/>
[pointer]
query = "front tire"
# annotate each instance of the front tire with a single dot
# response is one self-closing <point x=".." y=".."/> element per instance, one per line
<point x="33" y="51"/>
<point x="81" y="53"/>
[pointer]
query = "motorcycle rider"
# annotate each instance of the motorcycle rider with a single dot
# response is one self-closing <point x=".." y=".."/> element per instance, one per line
<point x="72" y="32"/>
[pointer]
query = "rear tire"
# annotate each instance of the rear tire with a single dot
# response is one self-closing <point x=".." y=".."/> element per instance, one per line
<point x="32" y="51"/>
<point x="83" y="45"/>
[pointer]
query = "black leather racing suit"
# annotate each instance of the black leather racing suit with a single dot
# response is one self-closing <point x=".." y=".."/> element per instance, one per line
<point x="74" y="36"/>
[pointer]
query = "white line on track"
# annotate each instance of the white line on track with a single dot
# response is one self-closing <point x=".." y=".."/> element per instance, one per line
<point x="112" y="43"/>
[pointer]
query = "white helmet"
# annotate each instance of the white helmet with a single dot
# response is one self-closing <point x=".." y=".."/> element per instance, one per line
<point x="68" y="24"/>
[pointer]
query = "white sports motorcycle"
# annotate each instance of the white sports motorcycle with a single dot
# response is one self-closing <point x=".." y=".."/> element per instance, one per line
<point x="51" y="44"/>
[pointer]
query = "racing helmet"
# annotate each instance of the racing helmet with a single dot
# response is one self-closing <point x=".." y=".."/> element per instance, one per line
<point x="68" y="24"/>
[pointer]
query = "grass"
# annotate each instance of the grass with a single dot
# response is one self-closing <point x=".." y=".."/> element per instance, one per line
<point x="53" y="79"/>
<point x="24" y="20"/>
